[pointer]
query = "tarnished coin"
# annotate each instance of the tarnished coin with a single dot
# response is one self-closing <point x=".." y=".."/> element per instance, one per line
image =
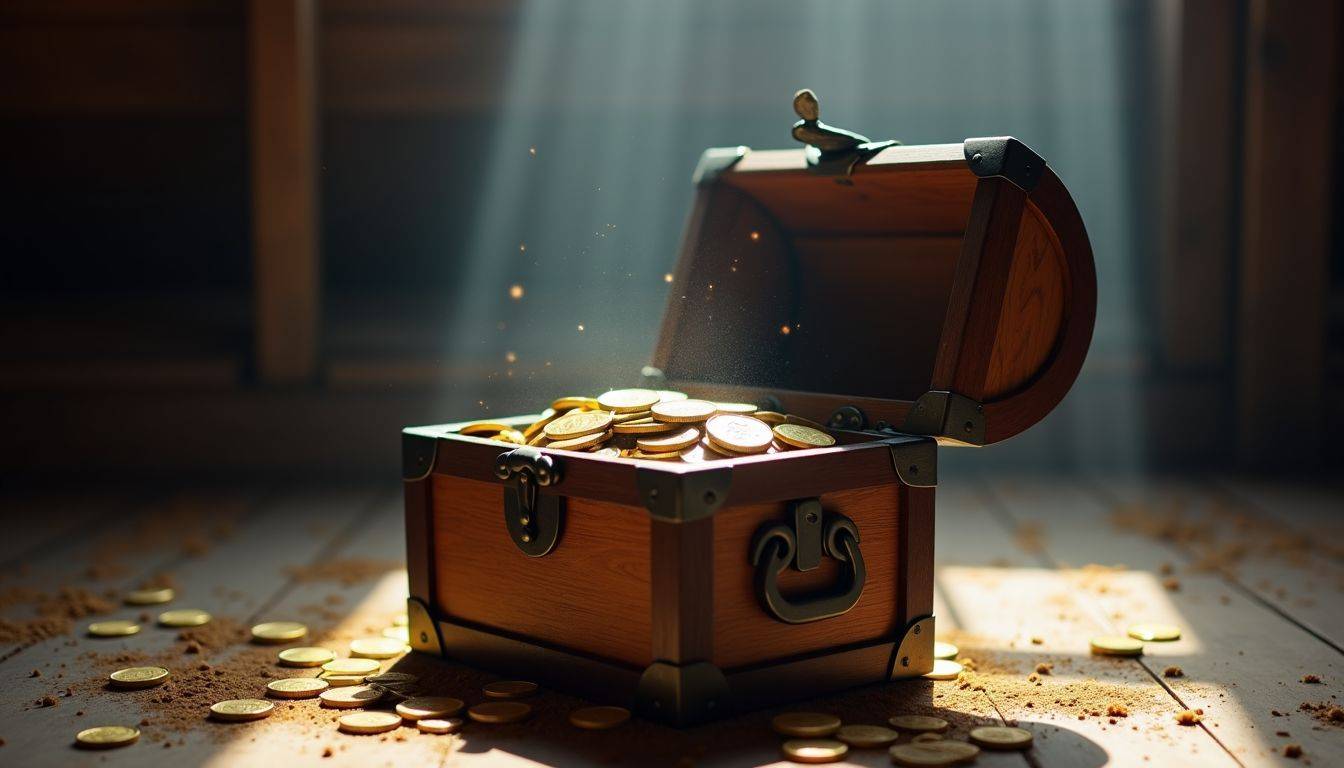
<point x="509" y="689"/>
<point x="644" y="427"/>
<point x="805" y="725"/>
<point x="401" y="634"/>
<point x="933" y="754"/>
<point x="422" y="707"/>
<point x="684" y="411"/>
<point x="1155" y="633"/>
<point x="944" y="669"/>
<point x="107" y="736"/>
<point x="368" y="722"/>
<point x="814" y="750"/>
<point x="626" y="400"/>
<point x="582" y="442"/>
<point x="739" y="433"/>
<point x="1115" y="645"/>
<point x="866" y="736"/>
<point x="341" y="681"/>
<point x="740" y="408"/>
<point x="297" y="687"/>
<point x="278" y="632"/>
<point x="352" y="666"/>
<point x="483" y="428"/>
<point x="999" y="737"/>
<point x="677" y="441"/>
<point x="799" y="436"/>
<point x="184" y="617"/>
<point x="667" y="395"/>
<point x="113" y="628"/>
<point x="440" y="726"/>
<point x="238" y="710"/>
<point x="391" y="679"/>
<point x="138" y="677"/>
<point x="577" y="424"/>
<point x="920" y="738"/>
<point x="500" y="712"/>
<point x="350" y="697"/>
<point x="918" y="723"/>
<point x="945" y="650"/>
<point x="599" y="718"/>
<point x="376" y="648"/>
<point x="153" y="596"/>
<point x="306" y="656"/>
<point x="562" y="404"/>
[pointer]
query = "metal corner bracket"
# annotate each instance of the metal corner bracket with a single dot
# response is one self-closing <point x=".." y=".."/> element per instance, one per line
<point x="683" y="695"/>
<point x="914" y="655"/>
<point x="683" y="497"/>
<point x="715" y="161"/>
<point x="915" y="459"/>
<point x="1005" y="157"/>
<point x="418" y="452"/>
<point x="946" y="415"/>
<point x="423" y="630"/>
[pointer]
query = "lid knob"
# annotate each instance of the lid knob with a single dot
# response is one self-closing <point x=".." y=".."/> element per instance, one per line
<point x="810" y="130"/>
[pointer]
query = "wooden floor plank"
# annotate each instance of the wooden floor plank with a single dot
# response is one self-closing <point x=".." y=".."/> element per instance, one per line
<point x="47" y="520"/>
<point x="1241" y="662"/>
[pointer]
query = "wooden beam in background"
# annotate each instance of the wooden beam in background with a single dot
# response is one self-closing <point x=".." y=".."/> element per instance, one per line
<point x="282" y="78"/>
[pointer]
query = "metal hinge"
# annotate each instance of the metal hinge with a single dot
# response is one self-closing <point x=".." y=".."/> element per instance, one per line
<point x="946" y="415"/>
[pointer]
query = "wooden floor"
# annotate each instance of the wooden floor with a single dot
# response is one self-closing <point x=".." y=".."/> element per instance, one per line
<point x="1028" y="570"/>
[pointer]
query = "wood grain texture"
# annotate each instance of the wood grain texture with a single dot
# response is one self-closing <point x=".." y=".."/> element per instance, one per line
<point x="682" y="590"/>
<point x="916" y="568"/>
<point x="1034" y="307"/>
<point x="592" y="594"/>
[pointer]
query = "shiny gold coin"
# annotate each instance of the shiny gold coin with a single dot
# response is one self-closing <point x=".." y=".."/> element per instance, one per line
<point x="440" y="726"/>
<point x="483" y="428"/>
<point x="422" y="707"/>
<point x="577" y="424"/>
<point x="684" y="411"/>
<point x="297" y="687"/>
<point x="729" y="453"/>
<point x="599" y="718"/>
<point x="509" y="689"/>
<point x="933" y="754"/>
<point x="305" y="656"/>
<point x="667" y="395"/>
<point x="644" y="427"/>
<point x="138" y="677"/>
<point x="113" y="628"/>
<point x="944" y="669"/>
<point x="745" y="409"/>
<point x="920" y="738"/>
<point x="799" y="436"/>
<point x="107" y="736"/>
<point x="1116" y="645"/>
<point x="562" y="404"/>
<point x="364" y="723"/>
<point x="866" y="736"/>
<point x="945" y="650"/>
<point x="1155" y="633"/>
<point x="278" y="632"/>
<point x="806" y="725"/>
<point x="626" y="400"/>
<point x="535" y="428"/>
<point x="770" y="417"/>
<point x="667" y="456"/>
<point x="918" y="723"/>
<point x="699" y="454"/>
<point x="739" y="433"/>
<point x="150" y="596"/>
<point x="621" y="418"/>
<point x="376" y="648"/>
<point x="582" y="442"/>
<point x="500" y="712"/>
<point x="999" y="737"/>
<point x="361" y="666"/>
<point x="814" y="750"/>
<point x="350" y="697"/>
<point x="401" y="634"/>
<point x="341" y="681"/>
<point x="511" y="436"/>
<point x="184" y="617"/>
<point x="238" y="710"/>
<point x="539" y="440"/>
<point x="401" y="620"/>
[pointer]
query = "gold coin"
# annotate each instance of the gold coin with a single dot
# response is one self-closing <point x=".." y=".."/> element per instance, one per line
<point x="644" y="427"/>
<point x="547" y="416"/>
<point x="1155" y="633"/>
<point x="1116" y="645"/>
<point x="539" y="439"/>
<point x="184" y="617"/>
<point x="401" y="620"/>
<point x="350" y="697"/>
<point x="305" y="656"/>
<point x="562" y="404"/>
<point x="621" y="418"/>
<point x="391" y="679"/>
<point x="608" y="451"/>
<point x="107" y="736"/>
<point x="297" y="687"/>
<point x="729" y="453"/>
<point x="499" y="712"/>
<point x="368" y="722"/>
<point x="376" y="648"/>
<point x="739" y="433"/>
<point x="114" y="628"/>
<point x="944" y="669"/>
<point x="598" y="718"/>
<point x="799" y="436"/>
<point x="138" y="677"/>
<point x="999" y="737"/>
<point x="509" y="689"/>
<point x="362" y="666"/>
<point x="918" y="723"/>
<point x="770" y="417"/>
<point x="440" y="726"/>
<point x="582" y="442"/>
<point x="150" y="596"/>
<point x="805" y="725"/>
<point x="422" y="707"/>
<point x="866" y="736"/>
<point x="487" y="428"/>
<point x="336" y="680"/>
<point x="577" y="424"/>
<point x="626" y="400"/>
<point x="238" y="710"/>
<point x="814" y="750"/>
<point x="945" y="651"/>
<point x="511" y="436"/>
<point x="933" y="754"/>
<point x="278" y="632"/>
<point x="919" y="738"/>
<point x="699" y="454"/>
<point x="684" y="411"/>
<point x="668" y="456"/>
<point x="401" y="634"/>
<point x="745" y="409"/>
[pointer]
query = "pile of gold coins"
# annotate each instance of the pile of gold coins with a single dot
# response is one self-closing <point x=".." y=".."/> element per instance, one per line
<point x="910" y="740"/>
<point x="659" y="425"/>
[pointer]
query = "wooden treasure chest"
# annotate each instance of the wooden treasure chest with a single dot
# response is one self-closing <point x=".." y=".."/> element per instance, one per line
<point x="903" y="296"/>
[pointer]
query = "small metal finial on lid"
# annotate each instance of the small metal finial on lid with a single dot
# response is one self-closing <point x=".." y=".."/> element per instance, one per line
<point x="811" y="131"/>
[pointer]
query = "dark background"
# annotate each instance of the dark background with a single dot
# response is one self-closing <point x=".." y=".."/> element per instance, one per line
<point x="260" y="238"/>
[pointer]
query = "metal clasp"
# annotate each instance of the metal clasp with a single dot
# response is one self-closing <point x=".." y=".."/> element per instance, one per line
<point x="812" y="535"/>
<point x="533" y="519"/>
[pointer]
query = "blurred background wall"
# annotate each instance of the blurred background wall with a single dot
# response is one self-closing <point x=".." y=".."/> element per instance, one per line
<point x="261" y="237"/>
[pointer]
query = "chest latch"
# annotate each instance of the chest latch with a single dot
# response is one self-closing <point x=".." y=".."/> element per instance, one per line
<point x="533" y="519"/>
<point x="812" y="535"/>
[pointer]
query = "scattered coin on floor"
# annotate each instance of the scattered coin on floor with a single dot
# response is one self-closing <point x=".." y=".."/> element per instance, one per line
<point x="440" y="726"/>
<point x="306" y="656"/>
<point x="1116" y="645"/>
<point x="107" y="736"/>
<point x="400" y="634"/>
<point x="500" y="712"/>
<point x="945" y="650"/>
<point x="278" y="632"/>
<point x="297" y="687"/>
<point x="341" y="681"/>
<point x="238" y="710"/>
<point x="933" y="754"/>
<point x="138" y="677"/>
<point x="1155" y="633"/>
<point x="806" y="725"/>
<point x="155" y="596"/>
<point x="918" y="723"/>
<point x="422" y="707"/>
<point x="1001" y="737"/>
<point x="113" y="628"/>
<point x="376" y="648"/>
<point x="351" y="666"/>
<point x="368" y="722"/>
<point x="944" y="669"/>
<point x="350" y="697"/>
<point x="509" y="689"/>
<point x="814" y="750"/>
<point x="184" y="617"/>
<point x="866" y="736"/>
<point x="599" y="718"/>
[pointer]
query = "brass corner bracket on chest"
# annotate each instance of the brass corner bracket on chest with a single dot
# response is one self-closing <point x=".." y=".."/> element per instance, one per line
<point x="914" y="655"/>
<point x="947" y="415"/>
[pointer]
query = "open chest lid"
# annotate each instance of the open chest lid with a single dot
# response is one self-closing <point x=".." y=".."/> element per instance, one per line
<point x="943" y="290"/>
